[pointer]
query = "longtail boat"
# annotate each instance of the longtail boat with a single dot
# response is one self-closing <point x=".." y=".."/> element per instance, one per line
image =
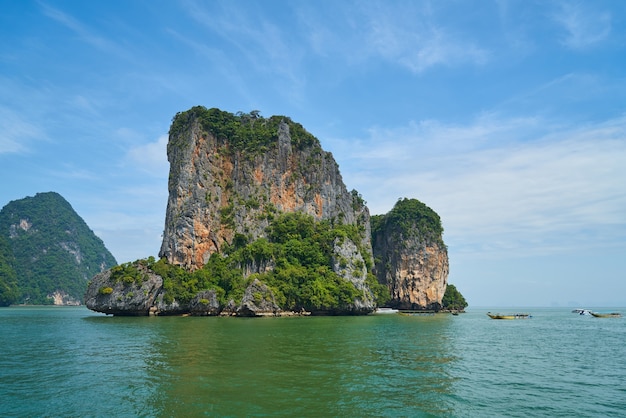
<point x="509" y="316"/>
<point x="606" y="315"/>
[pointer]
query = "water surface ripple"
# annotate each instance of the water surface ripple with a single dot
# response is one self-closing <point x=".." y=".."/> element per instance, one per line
<point x="72" y="362"/>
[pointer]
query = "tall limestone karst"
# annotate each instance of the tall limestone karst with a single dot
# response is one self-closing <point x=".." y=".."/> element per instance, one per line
<point x="258" y="222"/>
<point x="47" y="252"/>
<point x="411" y="258"/>
<point x="230" y="173"/>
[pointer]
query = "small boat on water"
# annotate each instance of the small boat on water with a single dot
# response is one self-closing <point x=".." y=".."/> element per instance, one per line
<point x="417" y="313"/>
<point x="606" y="315"/>
<point x="509" y="316"/>
<point x="582" y="311"/>
<point x="386" y="311"/>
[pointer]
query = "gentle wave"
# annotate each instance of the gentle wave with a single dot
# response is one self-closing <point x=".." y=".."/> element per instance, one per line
<point x="72" y="362"/>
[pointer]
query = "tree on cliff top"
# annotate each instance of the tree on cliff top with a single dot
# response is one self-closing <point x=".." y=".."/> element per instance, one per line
<point x="249" y="132"/>
<point x="407" y="217"/>
<point x="453" y="299"/>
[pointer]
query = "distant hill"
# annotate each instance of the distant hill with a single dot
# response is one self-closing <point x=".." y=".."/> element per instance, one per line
<point x="47" y="252"/>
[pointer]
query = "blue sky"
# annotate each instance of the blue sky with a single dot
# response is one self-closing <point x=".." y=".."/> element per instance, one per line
<point x="508" y="118"/>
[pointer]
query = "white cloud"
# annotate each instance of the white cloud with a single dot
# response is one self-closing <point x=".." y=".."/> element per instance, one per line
<point x="584" y="27"/>
<point x="263" y="45"/>
<point x="129" y="216"/>
<point x="151" y="158"/>
<point x="85" y="33"/>
<point x="410" y="35"/>
<point x="16" y="132"/>
<point x="501" y="186"/>
<point x="412" y="38"/>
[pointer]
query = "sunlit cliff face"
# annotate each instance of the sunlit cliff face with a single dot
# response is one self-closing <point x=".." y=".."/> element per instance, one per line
<point x="410" y="256"/>
<point x="216" y="192"/>
<point x="418" y="278"/>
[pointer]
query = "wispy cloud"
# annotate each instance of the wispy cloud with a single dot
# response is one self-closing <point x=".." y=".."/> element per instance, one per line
<point x="151" y="158"/>
<point x="130" y="220"/>
<point x="16" y="132"/>
<point x="72" y="172"/>
<point x="85" y="33"/>
<point x="502" y="183"/>
<point x="412" y="38"/>
<point x="584" y="26"/>
<point x="408" y="34"/>
<point x="262" y="44"/>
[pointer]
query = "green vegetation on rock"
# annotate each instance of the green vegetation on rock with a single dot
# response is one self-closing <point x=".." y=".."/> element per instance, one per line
<point x="127" y="273"/>
<point x="249" y="132"/>
<point x="299" y="250"/>
<point x="409" y="217"/>
<point x="453" y="299"/>
<point x="50" y="249"/>
<point x="9" y="291"/>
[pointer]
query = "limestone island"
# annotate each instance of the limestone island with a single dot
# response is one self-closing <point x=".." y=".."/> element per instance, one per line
<point x="260" y="223"/>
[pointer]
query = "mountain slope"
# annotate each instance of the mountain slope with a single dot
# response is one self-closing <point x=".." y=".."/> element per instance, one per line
<point x="52" y="251"/>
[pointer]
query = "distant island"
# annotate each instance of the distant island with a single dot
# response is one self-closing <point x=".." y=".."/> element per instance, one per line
<point x="259" y="222"/>
<point x="48" y="254"/>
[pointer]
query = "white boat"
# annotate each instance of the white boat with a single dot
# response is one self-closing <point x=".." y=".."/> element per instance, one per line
<point x="385" y="311"/>
<point x="582" y="311"/>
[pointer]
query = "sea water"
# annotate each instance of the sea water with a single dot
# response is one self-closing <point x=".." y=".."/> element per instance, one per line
<point x="70" y="362"/>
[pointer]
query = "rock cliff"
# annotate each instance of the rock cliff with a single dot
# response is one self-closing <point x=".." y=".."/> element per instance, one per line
<point x="233" y="178"/>
<point x="259" y="222"/>
<point x="109" y="295"/>
<point x="229" y="174"/>
<point x="411" y="258"/>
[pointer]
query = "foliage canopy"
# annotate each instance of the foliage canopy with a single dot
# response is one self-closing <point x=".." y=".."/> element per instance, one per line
<point x="409" y="217"/>
<point x="9" y="291"/>
<point x="50" y="248"/>
<point x="300" y="251"/>
<point x="248" y="132"/>
<point x="453" y="299"/>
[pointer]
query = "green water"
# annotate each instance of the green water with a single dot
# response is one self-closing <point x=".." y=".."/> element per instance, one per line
<point x="72" y="362"/>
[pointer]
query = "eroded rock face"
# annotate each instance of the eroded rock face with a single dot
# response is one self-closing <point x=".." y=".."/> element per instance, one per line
<point x="411" y="258"/>
<point x="229" y="177"/>
<point x="258" y="300"/>
<point x="349" y="263"/>
<point x="205" y="303"/>
<point x="63" y="299"/>
<point x="416" y="275"/>
<point x="121" y="298"/>
<point x="218" y="189"/>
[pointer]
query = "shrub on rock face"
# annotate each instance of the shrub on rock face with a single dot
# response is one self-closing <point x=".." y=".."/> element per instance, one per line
<point x="105" y="290"/>
<point x="205" y="303"/>
<point x="258" y="300"/>
<point x="301" y="253"/>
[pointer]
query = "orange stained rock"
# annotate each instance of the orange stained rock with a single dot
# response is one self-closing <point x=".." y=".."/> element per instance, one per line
<point x="319" y="205"/>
